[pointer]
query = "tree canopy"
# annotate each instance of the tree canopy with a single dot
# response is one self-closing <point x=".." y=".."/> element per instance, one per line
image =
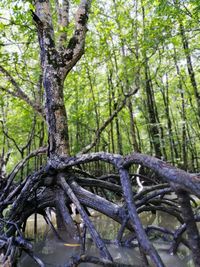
<point x="141" y="55"/>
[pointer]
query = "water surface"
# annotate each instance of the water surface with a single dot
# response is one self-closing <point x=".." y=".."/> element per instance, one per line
<point x="55" y="253"/>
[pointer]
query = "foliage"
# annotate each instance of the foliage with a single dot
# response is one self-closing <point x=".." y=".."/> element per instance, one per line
<point x="122" y="35"/>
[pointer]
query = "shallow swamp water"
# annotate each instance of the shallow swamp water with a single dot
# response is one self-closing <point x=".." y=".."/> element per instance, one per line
<point x="55" y="253"/>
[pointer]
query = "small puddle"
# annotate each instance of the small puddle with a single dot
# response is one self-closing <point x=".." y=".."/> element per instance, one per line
<point x="55" y="253"/>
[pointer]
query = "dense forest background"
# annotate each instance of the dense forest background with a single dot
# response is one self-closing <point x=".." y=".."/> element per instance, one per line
<point x="135" y="88"/>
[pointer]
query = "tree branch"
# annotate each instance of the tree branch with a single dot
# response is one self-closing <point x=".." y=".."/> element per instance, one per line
<point x="75" y="48"/>
<point x="63" y="22"/>
<point x="106" y="123"/>
<point x="44" y="24"/>
<point x="177" y="177"/>
<point x="19" y="93"/>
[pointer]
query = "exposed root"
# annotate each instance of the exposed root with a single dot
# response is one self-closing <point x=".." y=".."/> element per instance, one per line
<point x="61" y="183"/>
<point x="75" y="261"/>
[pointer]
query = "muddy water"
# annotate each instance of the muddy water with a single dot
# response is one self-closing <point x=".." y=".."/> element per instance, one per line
<point x="55" y="253"/>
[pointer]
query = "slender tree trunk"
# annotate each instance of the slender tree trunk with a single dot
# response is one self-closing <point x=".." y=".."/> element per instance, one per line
<point x="165" y="95"/>
<point x="126" y="88"/>
<point x="111" y="100"/>
<point x="190" y="68"/>
<point x="133" y="128"/>
<point x="110" y="112"/>
<point x="151" y="105"/>
<point x="153" y="127"/>
<point x="94" y="103"/>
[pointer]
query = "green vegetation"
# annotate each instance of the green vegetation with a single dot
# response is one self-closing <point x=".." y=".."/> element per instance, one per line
<point x="130" y="45"/>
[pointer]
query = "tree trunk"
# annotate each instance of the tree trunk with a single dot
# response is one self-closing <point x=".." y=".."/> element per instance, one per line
<point x="56" y="64"/>
<point x="151" y="105"/>
<point x="186" y="48"/>
<point x="56" y="114"/>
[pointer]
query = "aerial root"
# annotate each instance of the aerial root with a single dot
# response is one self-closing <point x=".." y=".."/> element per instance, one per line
<point x="76" y="260"/>
<point x="12" y="246"/>
<point x="144" y="243"/>
<point x="59" y="184"/>
<point x="192" y="230"/>
<point x="94" y="234"/>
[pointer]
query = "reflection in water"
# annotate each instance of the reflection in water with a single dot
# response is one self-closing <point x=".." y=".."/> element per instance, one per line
<point x="160" y="219"/>
<point x="54" y="253"/>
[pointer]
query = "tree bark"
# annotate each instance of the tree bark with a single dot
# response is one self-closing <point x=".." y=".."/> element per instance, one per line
<point x="191" y="227"/>
<point x="56" y="65"/>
